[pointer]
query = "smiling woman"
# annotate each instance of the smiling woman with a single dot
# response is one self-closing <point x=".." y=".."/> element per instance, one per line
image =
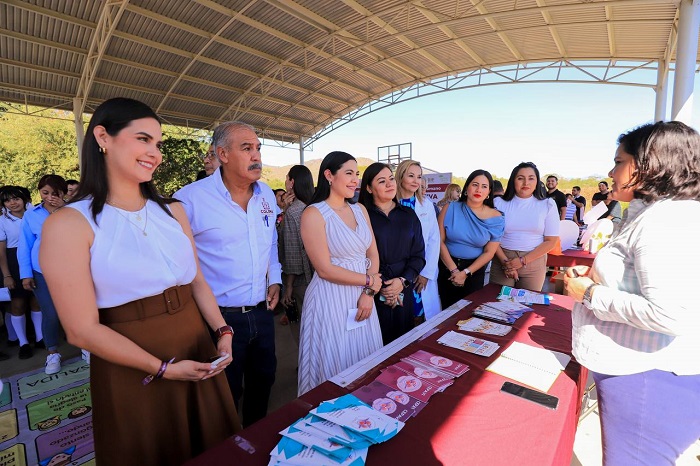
<point x="137" y="300"/>
<point x="532" y="229"/>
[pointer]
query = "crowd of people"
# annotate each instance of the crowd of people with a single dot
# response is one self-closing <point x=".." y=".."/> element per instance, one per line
<point x="173" y="297"/>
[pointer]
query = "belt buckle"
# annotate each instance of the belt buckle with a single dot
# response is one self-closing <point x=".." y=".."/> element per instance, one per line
<point x="246" y="309"/>
<point x="173" y="299"/>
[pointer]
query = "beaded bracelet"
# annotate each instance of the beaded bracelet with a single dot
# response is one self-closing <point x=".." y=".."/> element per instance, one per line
<point x="367" y="278"/>
<point x="455" y="270"/>
<point x="163" y="366"/>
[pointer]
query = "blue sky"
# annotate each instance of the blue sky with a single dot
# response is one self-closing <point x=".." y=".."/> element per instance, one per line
<point x="567" y="129"/>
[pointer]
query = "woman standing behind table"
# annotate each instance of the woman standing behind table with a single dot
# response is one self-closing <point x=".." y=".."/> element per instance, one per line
<point x="295" y="262"/>
<point x="136" y="299"/>
<point x="636" y="327"/>
<point x="338" y="238"/>
<point x="451" y="194"/>
<point x="532" y="230"/>
<point x="401" y="250"/>
<point x="410" y="193"/>
<point x="52" y="188"/>
<point x="470" y="231"/>
<point x="14" y="201"/>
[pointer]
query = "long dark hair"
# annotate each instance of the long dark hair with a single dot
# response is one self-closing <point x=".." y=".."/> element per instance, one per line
<point x="368" y="176"/>
<point x="489" y="199"/>
<point x="114" y="115"/>
<point x="667" y="155"/>
<point x="303" y="183"/>
<point x="55" y="182"/>
<point x="510" y="188"/>
<point x="333" y="161"/>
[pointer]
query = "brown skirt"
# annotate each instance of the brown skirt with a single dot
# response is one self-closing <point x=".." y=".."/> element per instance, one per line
<point x="165" y="422"/>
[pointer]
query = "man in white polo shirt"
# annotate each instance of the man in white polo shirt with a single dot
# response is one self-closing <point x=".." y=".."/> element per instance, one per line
<point x="233" y="222"/>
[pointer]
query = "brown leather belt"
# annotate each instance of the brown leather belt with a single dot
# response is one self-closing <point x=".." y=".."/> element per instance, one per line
<point x="172" y="301"/>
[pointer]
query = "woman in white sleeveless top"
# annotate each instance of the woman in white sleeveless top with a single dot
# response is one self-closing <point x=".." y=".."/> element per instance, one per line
<point x="121" y="267"/>
<point x="340" y="244"/>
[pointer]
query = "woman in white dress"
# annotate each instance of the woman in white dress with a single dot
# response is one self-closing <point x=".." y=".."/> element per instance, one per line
<point x="340" y="244"/>
<point x="410" y="193"/>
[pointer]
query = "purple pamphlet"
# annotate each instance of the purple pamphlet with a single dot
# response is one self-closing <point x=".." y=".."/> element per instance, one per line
<point x="389" y="401"/>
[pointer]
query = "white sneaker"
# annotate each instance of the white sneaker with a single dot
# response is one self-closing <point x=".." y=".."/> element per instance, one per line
<point x="53" y="363"/>
<point x="85" y="355"/>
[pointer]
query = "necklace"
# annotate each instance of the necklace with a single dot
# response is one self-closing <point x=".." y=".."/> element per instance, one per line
<point x="138" y="216"/>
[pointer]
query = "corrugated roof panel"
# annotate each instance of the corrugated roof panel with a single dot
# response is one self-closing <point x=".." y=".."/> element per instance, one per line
<point x="521" y="20"/>
<point x="259" y="40"/>
<point x="39" y="55"/>
<point x="192" y="13"/>
<point x="657" y="12"/>
<point x="270" y="15"/>
<point x="160" y="32"/>
<point x="336" y="12"/>
<point x="491" y="48"/>
<point x="200" y="91"/>
<point x="134" y="76"/>
<point x="585" y="41"/>
<point x="628" y="38"/>
<point x="593" y="12"/>
<point x="471" y="26"/>
<point x="101" y="91"/>
<point x="238" y="58"/>
<point x="141" y="53"/>
<point x="38" y="80"/>
<point x="495" y="6"/>
<point x="177" y="105"/>
<point x="535" y="44"/>
<point x="217" y="74"/>
<point x="450" y="53"/>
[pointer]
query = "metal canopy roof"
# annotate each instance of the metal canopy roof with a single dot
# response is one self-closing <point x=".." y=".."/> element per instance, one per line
<point x="292" y="68"/>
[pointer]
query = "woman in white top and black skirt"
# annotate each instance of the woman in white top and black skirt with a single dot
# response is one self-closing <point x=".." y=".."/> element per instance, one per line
<point x="532" y="230"/>
<point x="121" y="268"/>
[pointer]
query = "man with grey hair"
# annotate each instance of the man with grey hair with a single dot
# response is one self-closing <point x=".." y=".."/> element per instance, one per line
<point x="232" y="215"/>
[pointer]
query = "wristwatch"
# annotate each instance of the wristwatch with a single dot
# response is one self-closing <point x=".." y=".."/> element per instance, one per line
<point x="368" y="291"/>
<point x="406" y="283"/>
<point x="225" y="330"/>
<point x="587" y="295"/>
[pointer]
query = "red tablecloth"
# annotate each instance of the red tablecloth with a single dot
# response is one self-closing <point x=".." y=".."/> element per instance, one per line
<point x="570" y="257"/>
<point x="472" y="422"/>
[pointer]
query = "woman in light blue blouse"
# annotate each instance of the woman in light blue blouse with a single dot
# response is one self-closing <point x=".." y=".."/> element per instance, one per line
<point x="470" y="232"/>
<point x="637" y="323"/>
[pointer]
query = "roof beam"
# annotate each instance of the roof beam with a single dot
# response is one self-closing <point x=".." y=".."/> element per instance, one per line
<point x="238" y="46"/>
<point x="546" y="15"/>
<point x="391" y="30"/>
<point x="333" y="30"/>
<point x="479" y="5"/>
<point x="449" y="33"/>
<point x="106" y="24"/>
<point x="292" y="40"/>
<point x="611" y="30"/>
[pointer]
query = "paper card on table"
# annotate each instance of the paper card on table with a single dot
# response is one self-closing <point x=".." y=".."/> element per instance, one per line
<point x="469" y="344"/>
<point x="532" y="366"/>
<point x="510" y="307"/>
<point x="523" y="296"/>
<point x="495" y="315"/>
<point x="352" y="323"/>
<point x="334" y="432"/>
<point x="351" y="413"/>
<point x="439" y="362"/>
<point x="317" y="441"/>
<point x="387" y="400"/>
<point x="435" y="377"/>
<point x="474" y="324"/>
<point x="289" y="451"/>
<point x="407" y="383"/>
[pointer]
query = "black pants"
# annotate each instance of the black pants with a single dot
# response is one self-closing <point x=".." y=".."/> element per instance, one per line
<point x="252" y="372"/>
<point x="450" y="294"/>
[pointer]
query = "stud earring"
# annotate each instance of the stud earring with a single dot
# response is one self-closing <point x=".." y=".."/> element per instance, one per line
<point x="102" y="150"/>
<point x="330" y="183"/>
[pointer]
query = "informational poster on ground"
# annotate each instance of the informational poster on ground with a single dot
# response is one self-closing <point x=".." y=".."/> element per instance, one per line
<point x="47" y="419"/>
<point x="437" y="185"/>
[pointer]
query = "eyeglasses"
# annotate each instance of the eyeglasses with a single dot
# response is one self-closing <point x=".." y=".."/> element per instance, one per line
<point x="208" y="155"/>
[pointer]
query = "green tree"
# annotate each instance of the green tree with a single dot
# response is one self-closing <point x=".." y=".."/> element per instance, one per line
<point x="181" y="162"/>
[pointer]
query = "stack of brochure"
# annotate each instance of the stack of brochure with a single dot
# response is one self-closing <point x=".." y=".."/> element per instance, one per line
<point x="474" y="324"/>
<point x="523" y="296"/>
<point x="469" y="344"/>
<point x="338" y="432"/>
<point x="506" y="312"/>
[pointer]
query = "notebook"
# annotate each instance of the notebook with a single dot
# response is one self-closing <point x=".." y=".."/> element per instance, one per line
<point x="529" y="365"/>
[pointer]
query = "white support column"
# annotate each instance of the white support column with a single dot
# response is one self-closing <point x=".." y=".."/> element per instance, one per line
<point x="79" y="130"/>
<point x="686" y="58"/>
<point x="301" y="150"/>
<point x="661" y="91"/>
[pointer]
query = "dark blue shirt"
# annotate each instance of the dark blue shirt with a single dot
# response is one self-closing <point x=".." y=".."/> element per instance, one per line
<point x="399" y="241"/>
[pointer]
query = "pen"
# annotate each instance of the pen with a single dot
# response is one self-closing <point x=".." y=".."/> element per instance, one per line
<point x="267" y="223"/>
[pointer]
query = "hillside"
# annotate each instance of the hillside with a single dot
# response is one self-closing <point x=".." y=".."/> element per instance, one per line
<point x="274" y="176"/>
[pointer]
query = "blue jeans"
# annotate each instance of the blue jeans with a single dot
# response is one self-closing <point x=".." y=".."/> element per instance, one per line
<point x="49" y="318"/>
<point x="649" y="418"/>
<point x="252" y="372"/>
